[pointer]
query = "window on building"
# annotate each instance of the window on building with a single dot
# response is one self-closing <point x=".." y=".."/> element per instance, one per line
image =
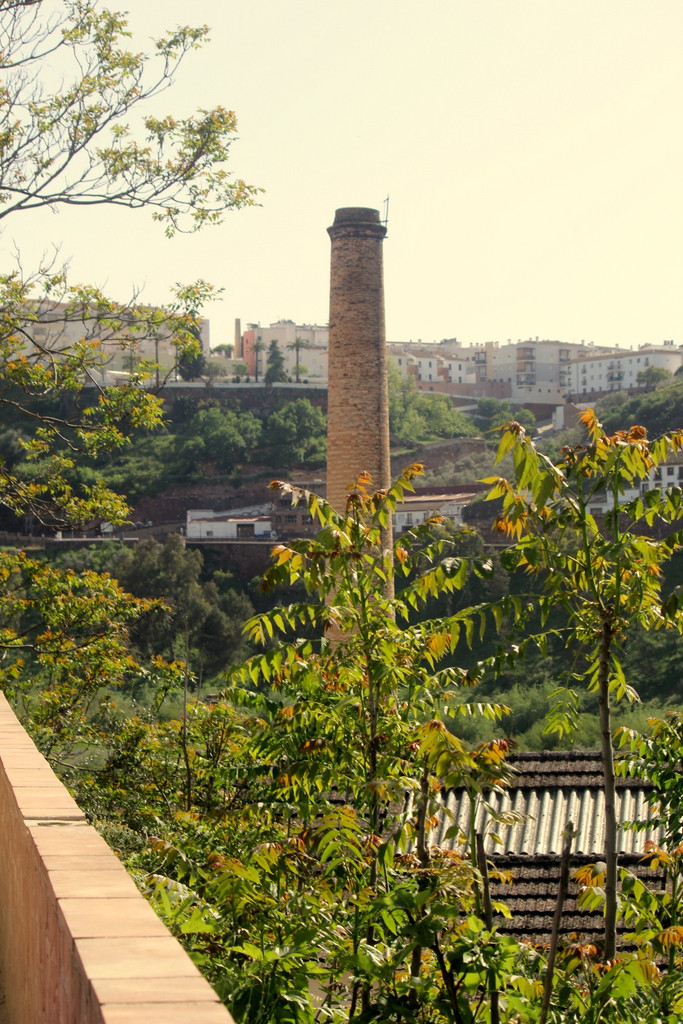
<point x="290" y="518"/>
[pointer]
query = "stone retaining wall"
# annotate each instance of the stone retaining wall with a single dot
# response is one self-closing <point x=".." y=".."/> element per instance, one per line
<point x="78" y="943"/>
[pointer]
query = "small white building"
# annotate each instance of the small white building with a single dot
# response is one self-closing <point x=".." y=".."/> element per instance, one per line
<point x="205" y="524"/>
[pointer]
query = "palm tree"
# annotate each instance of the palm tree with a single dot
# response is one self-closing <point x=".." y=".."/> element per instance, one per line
<point x="258" y="347"/>
<point x="296" y="347"/>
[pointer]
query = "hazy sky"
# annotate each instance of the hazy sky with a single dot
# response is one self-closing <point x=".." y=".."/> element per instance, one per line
<point x="532" y="151"/>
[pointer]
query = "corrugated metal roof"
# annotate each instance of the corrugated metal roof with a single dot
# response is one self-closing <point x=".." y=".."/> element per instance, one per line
<point x="550" y="790"/>
<point x="545" y="814"/>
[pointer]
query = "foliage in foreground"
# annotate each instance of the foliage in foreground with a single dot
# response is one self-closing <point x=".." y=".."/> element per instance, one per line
<point x="285" y="833"/>
<point x="604" y="577"/>
<point x="70" y="139"/>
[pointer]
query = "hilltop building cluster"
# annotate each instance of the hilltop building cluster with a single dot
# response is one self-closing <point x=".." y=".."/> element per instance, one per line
<point x="535" y="371"/>
<point x="532" y="372"/>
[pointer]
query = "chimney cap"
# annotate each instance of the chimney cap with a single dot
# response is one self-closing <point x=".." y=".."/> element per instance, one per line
<point x="359" y="219"/>
<point x="356" y="214"/>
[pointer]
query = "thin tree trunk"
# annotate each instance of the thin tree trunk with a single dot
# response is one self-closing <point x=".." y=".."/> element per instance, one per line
<point x="609" y="782"/>
<point x="186" y="754"/>
<point x="424" y="857"/>
<point x="488" y="918"/>
<point x="557" y="921"/>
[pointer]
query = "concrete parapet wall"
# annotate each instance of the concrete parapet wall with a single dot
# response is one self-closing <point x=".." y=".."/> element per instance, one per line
<point x="78" y="943"/>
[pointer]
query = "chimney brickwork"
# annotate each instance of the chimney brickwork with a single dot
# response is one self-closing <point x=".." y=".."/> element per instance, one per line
<point x="358" y="408"/>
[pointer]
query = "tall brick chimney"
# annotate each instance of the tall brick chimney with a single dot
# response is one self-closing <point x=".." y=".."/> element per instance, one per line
<point x="357" y="403"/>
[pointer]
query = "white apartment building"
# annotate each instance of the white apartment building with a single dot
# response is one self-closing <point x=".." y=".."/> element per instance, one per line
<point x="536" y="370"/>
<point x="261" y="523"/>
<point x="619" y="369"/>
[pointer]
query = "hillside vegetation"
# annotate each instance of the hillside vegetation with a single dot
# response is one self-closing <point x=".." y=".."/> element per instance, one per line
<point x="657" y="410"/>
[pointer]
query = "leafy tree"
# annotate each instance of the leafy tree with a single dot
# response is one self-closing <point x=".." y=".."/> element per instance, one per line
<point x="275" y="365"/>
<point x="496" y="412"/>
<point x="71" y="141"/>
<point x="72" y="145"/>
<point x="200" y="623"/>
<point x="604" y="578"/>
<point x="654" y="376"/>
<point x="227" y="436"/>
<point x="192" y="364"/>
<point x="284" y="834"/>
<point x="61" y="635"/>
<point x="211" y="373"/>
<point x="415" y="415"/>
<point x="297" y="433"/>
<point x="306" y="813"/>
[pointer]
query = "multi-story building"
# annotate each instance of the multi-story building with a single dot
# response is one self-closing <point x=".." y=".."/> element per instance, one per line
<point x="537" y="370"/>
<point x="302" y="343"/>
<point x="598" y="373"/>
